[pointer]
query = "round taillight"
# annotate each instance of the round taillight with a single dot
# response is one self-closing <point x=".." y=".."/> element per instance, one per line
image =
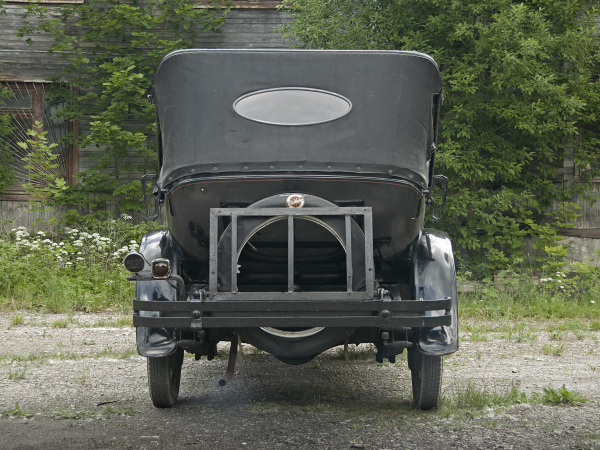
<point x="161" y="268"/>
<point x="134" y="262"/>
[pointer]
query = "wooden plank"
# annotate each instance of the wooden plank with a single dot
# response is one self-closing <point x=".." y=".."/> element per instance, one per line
<point x="241" y="4"/>
<point x="16" y="196"/>
<point x="591" y="233"/>
<point x="43" y="2"/>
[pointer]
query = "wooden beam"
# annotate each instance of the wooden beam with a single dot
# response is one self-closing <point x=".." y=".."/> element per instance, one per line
<point x="17" y="196"/>
<point x="590" y="233"/>
<point x="240" y="4"/>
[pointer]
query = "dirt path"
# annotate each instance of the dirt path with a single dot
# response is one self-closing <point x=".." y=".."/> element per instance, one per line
<point x="84" y="386"/>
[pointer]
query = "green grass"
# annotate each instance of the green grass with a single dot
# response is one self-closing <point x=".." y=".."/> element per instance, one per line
<point x="54" y="290"/>
<point x="553" y="350"/>
<point x="561" y="396"/>
<point x="17" y="319"/>
<point x="60" y="323"/>
<point x="17" y="412"/>
<point x="17" y="373"/>
<point x="122" y="354"/>
<point x="469" y="396"/>
<point x="477" y="332"/>
<point x="519" y="332"/>
<point x="526" y="300"/>
<point x="39" y="358"/>
<point x="124" y="321"/>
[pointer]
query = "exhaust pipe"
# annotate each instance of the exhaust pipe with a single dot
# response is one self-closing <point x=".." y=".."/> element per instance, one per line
<point x="231" y="363"/>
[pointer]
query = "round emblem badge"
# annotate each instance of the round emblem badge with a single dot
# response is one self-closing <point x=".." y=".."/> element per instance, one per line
<point x="295" y="201"/>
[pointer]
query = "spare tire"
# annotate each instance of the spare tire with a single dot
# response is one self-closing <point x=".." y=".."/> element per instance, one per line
<point x="292" y="347"/>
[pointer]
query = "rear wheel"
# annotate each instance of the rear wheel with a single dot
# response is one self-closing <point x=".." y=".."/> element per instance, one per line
<point x="164" y="375"/>
<point x="426" y="374"/>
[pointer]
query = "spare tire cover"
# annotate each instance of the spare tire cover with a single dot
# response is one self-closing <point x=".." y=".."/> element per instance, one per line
<point x="292" y="350"/>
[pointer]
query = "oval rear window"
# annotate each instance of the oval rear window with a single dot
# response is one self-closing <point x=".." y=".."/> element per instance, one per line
<point x="292" y="107"/>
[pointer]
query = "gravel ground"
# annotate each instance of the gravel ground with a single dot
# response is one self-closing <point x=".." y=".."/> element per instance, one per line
<point x="84" y="386"/>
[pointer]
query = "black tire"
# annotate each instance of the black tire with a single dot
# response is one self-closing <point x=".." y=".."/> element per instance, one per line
<point x="164" y="376"/>
<point x="426" y="374"/>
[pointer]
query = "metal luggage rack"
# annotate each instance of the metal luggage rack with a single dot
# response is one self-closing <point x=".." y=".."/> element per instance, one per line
<point x="346" y="212"/>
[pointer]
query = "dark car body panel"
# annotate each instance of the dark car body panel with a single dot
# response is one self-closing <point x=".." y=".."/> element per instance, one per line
<point x="435" y="277"/>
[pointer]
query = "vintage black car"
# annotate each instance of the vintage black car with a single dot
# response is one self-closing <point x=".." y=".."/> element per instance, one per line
<point x="295" y="185"/>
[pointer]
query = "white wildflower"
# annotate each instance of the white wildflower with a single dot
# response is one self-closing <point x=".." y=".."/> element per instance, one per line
<point x="41" y="233"/>
<point x="592" y="301"/>
<point x="562" y="287"/>
<point x="80" y="259"/>
<point x="68" y="263"/>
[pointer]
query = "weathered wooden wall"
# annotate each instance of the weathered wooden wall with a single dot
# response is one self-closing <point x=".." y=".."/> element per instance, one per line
<point x="244" y="28"/>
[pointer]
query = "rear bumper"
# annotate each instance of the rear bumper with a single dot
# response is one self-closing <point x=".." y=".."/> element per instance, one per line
<point x="328" y="312"/>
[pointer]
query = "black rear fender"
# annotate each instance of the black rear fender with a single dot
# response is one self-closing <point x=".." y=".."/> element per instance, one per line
<point x="435" y="278"/>
<point x="156" y="341"/>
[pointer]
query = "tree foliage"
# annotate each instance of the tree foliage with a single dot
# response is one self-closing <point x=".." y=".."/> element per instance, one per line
<point x="520" y="86"/>
<point x="111" y="50"/>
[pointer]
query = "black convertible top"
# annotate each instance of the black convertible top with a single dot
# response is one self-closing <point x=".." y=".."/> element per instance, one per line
<point x="338" y="111"/>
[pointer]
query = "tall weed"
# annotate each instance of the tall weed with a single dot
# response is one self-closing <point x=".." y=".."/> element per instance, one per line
<point x="518" y="296"/>
<point x="76" y="268"/>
